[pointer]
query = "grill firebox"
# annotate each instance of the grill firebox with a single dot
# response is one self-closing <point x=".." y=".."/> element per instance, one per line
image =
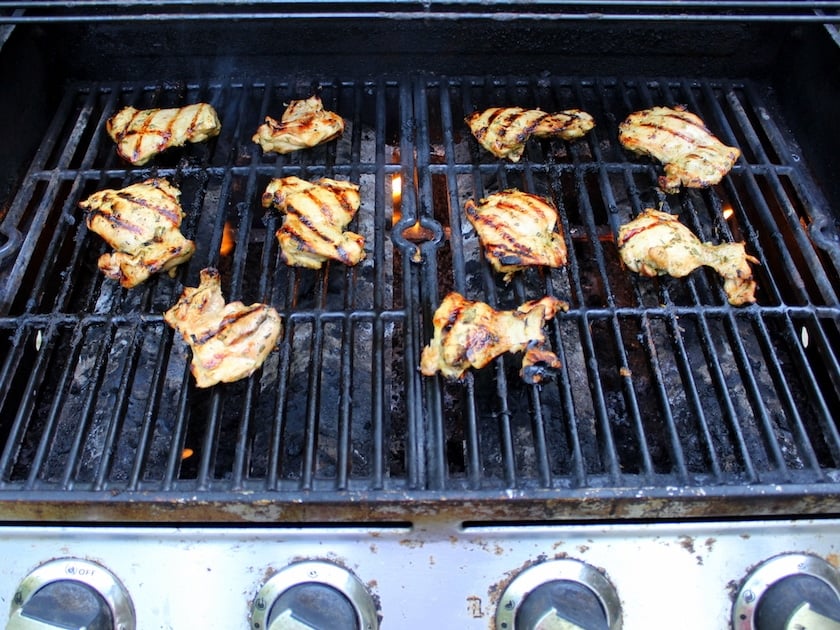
<point x="671" y="403"/>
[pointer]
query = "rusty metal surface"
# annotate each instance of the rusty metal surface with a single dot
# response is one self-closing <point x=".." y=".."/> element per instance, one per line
<point x="427" y="507"/>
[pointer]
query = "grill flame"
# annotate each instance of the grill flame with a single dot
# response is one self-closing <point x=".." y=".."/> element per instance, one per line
<point x="228" y="240"/>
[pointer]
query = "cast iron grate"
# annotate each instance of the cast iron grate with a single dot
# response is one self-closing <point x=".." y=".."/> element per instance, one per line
<point x="666" y="390"/>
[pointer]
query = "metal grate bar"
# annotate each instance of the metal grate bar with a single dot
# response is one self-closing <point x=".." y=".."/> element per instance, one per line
<point x="624" y="366"/>
<point x="146" y="432"/>
<point x="804" y="246"/>
<point x="580" y="10"/>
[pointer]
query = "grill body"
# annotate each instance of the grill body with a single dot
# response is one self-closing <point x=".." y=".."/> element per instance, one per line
<point x="671" y="404"/>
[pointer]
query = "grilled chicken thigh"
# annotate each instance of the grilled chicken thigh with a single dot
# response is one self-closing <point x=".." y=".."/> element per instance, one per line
<point x="692" y="156"/>
<point x="517" y="231"/>
<point x="228" y="341"/>
<point x="316" y="215"/>
<point x="656" y="243"/>
<point x="142" y="134"/>
<point x="304" y="124"/>
<point x="142" y="223"/>
<point x="471" y="334"/>
<point x="504" y="130"/>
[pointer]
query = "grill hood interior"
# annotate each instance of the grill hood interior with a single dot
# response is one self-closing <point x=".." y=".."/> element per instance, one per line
<point x="797" y="57"/>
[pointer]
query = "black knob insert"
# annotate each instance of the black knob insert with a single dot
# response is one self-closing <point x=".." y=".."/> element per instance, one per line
<point x="784" y="600"/>
<point x="562" y="601"/>
<point x="314" y="605"/>
<point x="561" y="593"/>
<point x="314" y="595"/>
<point x="69" y="604"/>
<point x="791" y="590"/>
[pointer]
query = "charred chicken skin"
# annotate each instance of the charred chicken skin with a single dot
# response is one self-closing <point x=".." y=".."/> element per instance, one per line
<point x="315" y="217"/>
<point x="229" y="341"/>
<point x="504" y="130"/>
<point x="517" y="231"/>
<point x="304" y="124"/>
<point x="141" y="134"/>
<point x="691" y="155"/>
<point x="142" y="223"/>
<point x="471" y="334"/>
<point x="656" y="243"/>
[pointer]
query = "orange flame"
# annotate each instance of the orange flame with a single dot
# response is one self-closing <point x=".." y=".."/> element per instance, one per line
<point x="396" y="196"/>
<point x="228" y="240"/>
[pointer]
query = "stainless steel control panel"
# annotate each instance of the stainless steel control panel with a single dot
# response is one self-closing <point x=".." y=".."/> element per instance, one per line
<point x="643" y="577"/>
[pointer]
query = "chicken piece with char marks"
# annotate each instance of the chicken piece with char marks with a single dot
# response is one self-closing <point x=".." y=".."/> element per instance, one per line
<point x="504" y="131"/>
<point x="304" y="124"/>
<point x="517" y="230"/>
<point x="656" y="243"/>
<point x="315" y="217"/>
<point x="142" y="223"/>
<point x="141" y="134"/>
<point x="471" y="334"/>
<point x="691" y="155"/>
<point x="228" y="341"/>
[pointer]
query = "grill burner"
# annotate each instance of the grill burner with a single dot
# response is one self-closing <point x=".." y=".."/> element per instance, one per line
<point x="667" y="392"/>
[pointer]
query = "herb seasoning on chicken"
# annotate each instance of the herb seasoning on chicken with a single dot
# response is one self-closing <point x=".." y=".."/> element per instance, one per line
<point x="656" y="243"/>
<point x="229" y="341"/>
<point x="504" y="130"/>
<point x="315" y="217"/>
<point x="691" y="155"/>
<point x="471" y="334"/>
<point x="142" y="223"/>
<point x="516" y="230"/>
<point x="304" y="124"/>
<point x="142" y="134"/>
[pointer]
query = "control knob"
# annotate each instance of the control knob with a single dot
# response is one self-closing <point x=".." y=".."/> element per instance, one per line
<point x="314" y="595"/>
<point x="564" y="594"/>
<point x="71" y="593"/>
<point x="787" y="592"/>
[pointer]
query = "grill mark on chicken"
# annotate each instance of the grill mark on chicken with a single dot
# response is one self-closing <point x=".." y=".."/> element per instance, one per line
<point x="304" y="124"/>
<point x="117" y="222"/>
<point x="308" y="224"/>
<point x="142" y="134"/>
<point x="504" y="130"/>
<point x="626" y="232"/>
<point x="471" y="334"/>
<point x="230" y="321"/>
<point x="656" y="243"/>
<point x="167" y="211"/>
<point x="692" y="156"/>
<point x="316" y="215"/>
<point x="517" y="230"/>
<point x="228" y="341"/>
<point x="141" y="222"/>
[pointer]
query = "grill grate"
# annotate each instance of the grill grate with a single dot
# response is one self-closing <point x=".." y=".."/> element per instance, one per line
<point x="666" y="391"/>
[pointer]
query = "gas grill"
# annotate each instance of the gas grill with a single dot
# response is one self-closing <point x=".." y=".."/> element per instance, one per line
<point x="337" y="486"/>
